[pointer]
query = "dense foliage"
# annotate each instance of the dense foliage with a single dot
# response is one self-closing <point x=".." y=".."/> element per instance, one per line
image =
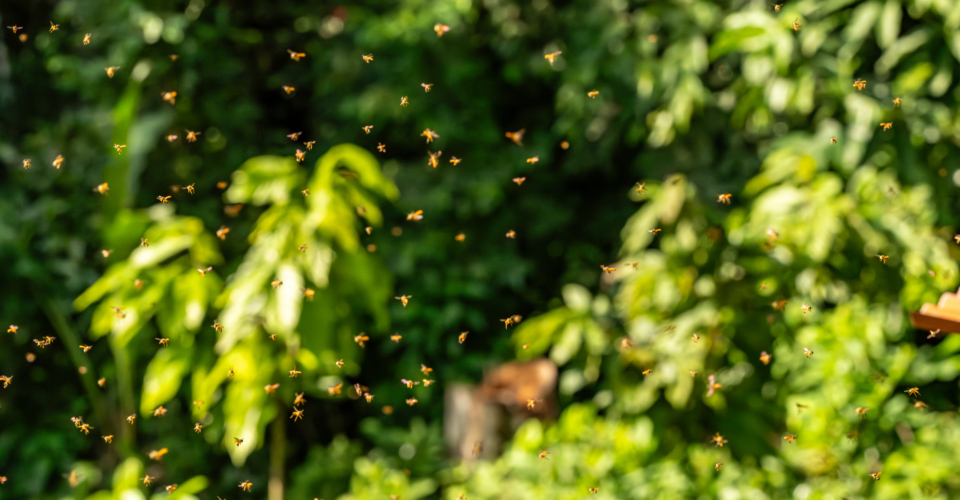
<point x="696" y="99"/>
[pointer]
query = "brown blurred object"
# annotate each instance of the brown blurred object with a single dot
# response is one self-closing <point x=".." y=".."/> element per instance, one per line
<point x="944" y="316"/>
<point x="478" y="419"/>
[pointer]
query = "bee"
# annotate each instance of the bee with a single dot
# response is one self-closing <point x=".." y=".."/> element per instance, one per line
<point x="404" y="102"/>
<point x="434" y="160"/>
<point x="808" y="352"/>
<point x="192" y="136"/>
<point x="477" y="448"/>
<point x="217" y="327"/>
<point x="718" y="440"/>
<point x="118" y="311"/>
<point x="695" y="337"/>
<point x="13" y="329"/>
<point x="86" y="39"/>
<point x="833" y="140"/>
<point x="412" y="401"/>
<point x="300" y="155"/>
<point x="805" y="308"/>
<point x="294" y="372"/>
<point x="896" y="102"/>
<point x="367" y="128"/>
<point x="460" y="237"/>
<point x="27" y="164"/>
<point x="271" y="388"/>
<point x="778" y="305"/>
<point x="340" y="363"/>
<point x="173" y="57"/>
<point x="641" y="187"/>
<point x="197" y="427"/>
<point x="288" y="89"/>
<point x="796" y="25"/>
<point x="517" y="137"/>
<point x="883" y="258"/>
<point x="164" y="199"/>
<point x="368" y="230"/>
<point x="7" y="380"/>
<point x="454" y="160"/>
<point x="512" y="320"/>
<point x="409" y="383"/>
<point x="594" y="489"/>
<point x="647" y="371"/>
<point x="933" y="334"/>
<point x="299" y="400"/>
<point x="462" y="337"/>
<point x="199" y="404"/>
<point x="58" y="161"/>
<point x="606" y="269"/>
<point x="425" y="369"/>
<point x="170" y="488"/>
<point x="147" y="480"/>
<point x="131" y="419"/>
<point x="512" y="234"/>
<point x="861" y="411"/>
<point x="712" y="385"/>
<point x="368" y="58"/>
<point x="533" y="160"/>
<point x="160" y="411"/>
<point x="294" y="136"/>
<point x="776" y="7"/>
<point x="428" y="382"/>
<point x="876" y="475"/>
<point x="692" y="373"/>
<point x="519" y="180"/>
<point x="246" y="485"/>
<point x="415" y="215"/>
<point x="368" y="397"/>
<point x="426" y="87"/>
<point x="170" y="97"/>
<point x="110" y="70"/>
<point x="276" y="283"/>
<point x="860" y="84"/>
<point x="886" y="126"/>
<point x="297" y="415"/>
<point x="335" y="390"/>
<point x="430" y="135"/>
<point x="237" y="441"/>
<point x="654" y="231"/>
<point x="163" y="341"/>
<point x="296" y="56"/>
<point x="360" y="339"/>
<point x="222" y="232"/>
<point x="15" y="28"/>
<point x="764" y="357"/>
<point x="119" y="148"/>
<point x="381" y="147"/>
<point x="920" y="405"/>
<point x="593" y="94"/>
<point x="724" y="198"/>
<point x="913" y="391"/>
<point x="396" y="338"/>
<point x="158" y="454"/>
<point x="440" y="29"/>
<point x="309" y="144"/>
<point x="190" y="189"/>
<point x="102" y="382"/>
<point x="551" y="57"/>
<point x="790" y="438"/>
<point x="108" y="439"/>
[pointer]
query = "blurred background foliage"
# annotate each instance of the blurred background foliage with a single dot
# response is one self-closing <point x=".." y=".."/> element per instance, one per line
<point x="696" y="99"/>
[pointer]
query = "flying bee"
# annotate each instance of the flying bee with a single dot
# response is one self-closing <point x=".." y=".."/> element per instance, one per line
<point x="359" y="389"/>
<point x="654" y="231"/>
<point x="647" y="371"/>
<point x="426" y="87"/>
<point x="271" y="388"/>
<point x="15" y="28"/>
<point x="718" y="440"/>
<point x="833" y="140"/>
<point x="805" y="308"/>
<point x="913" y="391"/>
<point x="712" y="385"/>
<point x="404" y="102"/>
<point x="299" y="400"/>
<point x="296" y="56"/>
<point x="425" y="369"/>
<point x="368" y="58"/>
<point x="430" y="135"/>
<point x="517" y="137"/>
<point x="593" y="94"/>
<point x="933" y="334"/>
<point x="300" y="155"/>
<point x="368" y="397"/>
<point x="883" y="258"/>
<point x="876" y="475"/>
<point x="778" y="305"/>
<point x="163" y="341"/>
<point x="860" y="84"/>
<point x="58" y="161"/>
<point x="440" y="29"/>
<point x="692" y="373"/>
<point x="434" y="158"/>
<point x="294" y="372"/>
<point x="396" y="338"/>
<point x="27" y="164"/>
<point x="477" y="448"/>
<point x="920" y="405"/>
<point x="790" y="438"/>
<point x="7" y="380"/>
<point x="297" y="415"/>
<point x="340" y="362"/>
<point x="512" y="320"/>
<point x="86" y="348"/>
<point x="415" y="215"/>
<point x="158" y="454"/>
<point x="808" y="352"/>
<point x="512" y="234"/>
<point x="776" y="7"/>
<point x="119" y="148"/>
<point x="276" y="284"/>
<point x="197" y="427"/>
<point x="896" y="102"/>
<point x="455" y="160"/>
<point x="237" y="441"/>
<point x="796" y="25"/>
<point x="606" y="269"/>
<point x="107" y="439"/>
<point x="695" y="337"/>
<point x="170" y="97"/>
<point x="217" y="327"/>
<point x="222" y="232"/>
<point x="111" y="70"/>
<point x="412" y="401"/>
<point x="192" y="136"/>
<point x="360" y="339"/>
<point x="118" y="311"/>
<point x="409" y="383"/>
<point x="641" y="187"/>
<point x="551" y="57"/>
<point x="460" y="237"/>
<point x="531" y="403"/>
<point x="294" y="136"/>
<point x="764" y="357"/>
<point x="718" y="466"/>
<point x="131" y="419"/>
<point x="381" y="147"/>
<point x="163" y="199"/>
<point x="13" y="329"/>
<point x="86" y="39"/>
<point x="886" y="126"/>
<point x="535" y="159"/>
<point x="595" y="489"/>
<point x="309" y="144"/>
<point x="427" y="382"/>
<point x="288" y="89"/>
<point x="462" y="337"/>
<point x="160" y="411"/>
<point x="861" y="411"/>
<point x="335" y="390"/>
<point x="724" y="198"/>
<point x="246" y="485"/>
